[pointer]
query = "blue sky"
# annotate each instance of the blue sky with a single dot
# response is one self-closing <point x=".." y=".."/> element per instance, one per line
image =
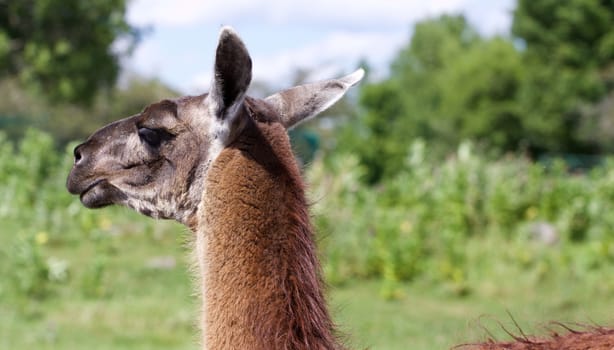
<point x="323" y="36"/>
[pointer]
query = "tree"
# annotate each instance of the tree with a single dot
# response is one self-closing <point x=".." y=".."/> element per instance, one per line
<point x="549" y="88"/>
<point x="446" y="85"/>
<point x="64" y="48"/>
<point x="479" y="93"/>
<point x="574" y="33"/>
<point x="568" y="48"/>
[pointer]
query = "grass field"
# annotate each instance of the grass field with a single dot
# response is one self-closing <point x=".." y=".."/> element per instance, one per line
<point x="439" y="256"/>
<point x="127" y="287"/>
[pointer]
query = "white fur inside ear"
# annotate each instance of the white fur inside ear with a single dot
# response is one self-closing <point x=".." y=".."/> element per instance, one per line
<point x="220" y="129"/>
<point x="219" y="132"/>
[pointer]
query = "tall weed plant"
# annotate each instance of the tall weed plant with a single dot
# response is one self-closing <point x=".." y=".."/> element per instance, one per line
<point x="436" y="220"/>
<point x="37" y="213"/>
<point x="421" y="223"/>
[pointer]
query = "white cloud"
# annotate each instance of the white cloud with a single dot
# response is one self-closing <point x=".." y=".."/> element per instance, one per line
<point x="334" y="34"/>
<point x="336" y="53"/>
<point x="146" y="58"/>
<point x="364" y="13"/>
<point x="200" y="83"/>
<point x="184" y="12"/>
<point x="339" y="51"/>
<point x="491" y="17"/>
<point x="333" y="13"/>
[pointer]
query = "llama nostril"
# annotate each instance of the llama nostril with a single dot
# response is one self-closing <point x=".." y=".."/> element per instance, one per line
<point x="78" y="155"/>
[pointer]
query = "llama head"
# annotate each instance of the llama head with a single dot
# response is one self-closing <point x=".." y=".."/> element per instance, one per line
<point x="156" y="161"/>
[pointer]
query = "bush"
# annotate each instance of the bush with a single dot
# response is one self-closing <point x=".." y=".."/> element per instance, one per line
<point x="443" y="222"/>
<point x="38" y="213"/>
<point x="421" y="222"/>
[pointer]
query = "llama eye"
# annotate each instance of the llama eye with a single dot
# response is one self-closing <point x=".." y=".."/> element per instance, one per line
<point x="151" y="136"/>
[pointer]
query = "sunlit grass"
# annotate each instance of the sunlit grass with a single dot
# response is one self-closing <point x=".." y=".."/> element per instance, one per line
<point x="427" y="318"/>
<point x="150" y="308"/>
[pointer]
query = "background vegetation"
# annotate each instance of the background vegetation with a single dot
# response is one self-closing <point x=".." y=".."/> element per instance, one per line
<point x="438" y="195"/>
<point x="547" y="88"/>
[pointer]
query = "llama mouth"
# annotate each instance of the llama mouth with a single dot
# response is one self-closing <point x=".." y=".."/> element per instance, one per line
<point x="100" y="194"/>
<point x="96" y="194"/>
<point x="90" y="187"/>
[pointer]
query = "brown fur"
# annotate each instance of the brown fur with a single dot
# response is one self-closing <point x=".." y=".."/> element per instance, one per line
<point x="594" y="338"/>
<point x="262" y="287"/>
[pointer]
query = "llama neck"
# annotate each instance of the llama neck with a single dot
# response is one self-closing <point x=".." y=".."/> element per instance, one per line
<point x="260" y="282"/>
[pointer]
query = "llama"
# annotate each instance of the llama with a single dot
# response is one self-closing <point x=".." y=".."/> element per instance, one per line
<point x="221" y="164"/>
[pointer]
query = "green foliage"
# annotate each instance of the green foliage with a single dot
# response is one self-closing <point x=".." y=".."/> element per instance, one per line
<point x="419" y="223"/>
<point x="64" y="47"/>
<point x="92" y="282"/>
<point x="569" y="49"/>
<point x="479" y="91"/>
<point x="452" y="229"/>
<point x="447" y="85"/>
<point x="546" y="89"/>
<point x="29" y="275"/>
<point x="576" y="33"/>
<point x="37" y="212"/>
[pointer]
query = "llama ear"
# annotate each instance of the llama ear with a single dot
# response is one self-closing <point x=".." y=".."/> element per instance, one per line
<point x="302" y="102"/>
<point x="232" y="75"/>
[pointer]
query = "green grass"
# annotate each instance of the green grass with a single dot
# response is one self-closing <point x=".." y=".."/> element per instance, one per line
<point x="131" y="306"/>
<point x="138" y="307"/>
<point x="413" y="264"/>
<point x="426" y="318"/>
